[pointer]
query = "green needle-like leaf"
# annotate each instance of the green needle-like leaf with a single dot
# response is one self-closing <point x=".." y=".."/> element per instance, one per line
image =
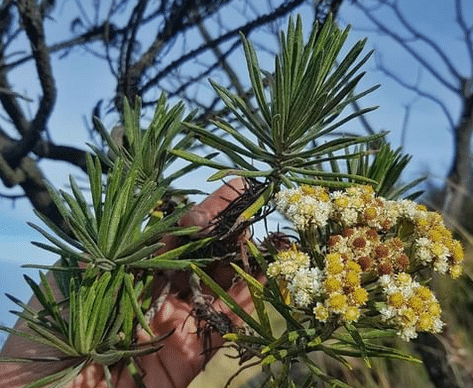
<point x="61" y="245"/>
<point x="135" y="305"/>
<point x="173" y="253"/>
<point x="256" y="291"/>
<point x="52" y="306"/>
<point x="58" y="379"/>
<point x="306" y="96"/>
<point x="197" y="159"/>
<point x="229" y="301"/>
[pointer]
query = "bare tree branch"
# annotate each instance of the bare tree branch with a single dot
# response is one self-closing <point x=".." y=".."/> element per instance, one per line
<point x="113" y="34"/>
<point x="460" y="177"/>
<point x="105" y="32"/>
<point x="424" y="38"/>
<point x="416" y="89"/>
<point x="402" y="41"/>
<point x="34" y="30"/>
<point x="222" y="60"/>
<point x="245" y="29"/>
<point x="15" y="94"/>
<point x="467" y="31"/>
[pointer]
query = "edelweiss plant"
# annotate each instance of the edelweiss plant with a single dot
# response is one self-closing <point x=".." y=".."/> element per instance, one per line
<point x="352" y="272"/>
<point x="356" y="270"/>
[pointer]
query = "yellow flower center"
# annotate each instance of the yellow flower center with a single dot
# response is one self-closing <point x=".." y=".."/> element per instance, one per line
<point x="352" y="313"/>
<point x="360" y="296"/>
<point x="341" y="202"/>
<point x="370" y="213"/>
<point x="338" y="301"/>
<point x="435" y="235"/>
<point x="352" y="279"/>
<point x="425" y="322"/>
<point x="396" y="300"/>
<point x="434" y="309"/>
<point x="334" y="268"/>
<point x="416" y="303"/>
<point x="457" y="251"/>
<point x="332" y="284"/>
<point x="456" y="271"/>
<point x="296" y="197"/>
<point x="353" y="266"/>
<point x="408" y="317"/>
<point x="403" y="278"/>
<point x="421" y="208"/>
<point x="437" y="248"/>
<point x="424" y="293"/>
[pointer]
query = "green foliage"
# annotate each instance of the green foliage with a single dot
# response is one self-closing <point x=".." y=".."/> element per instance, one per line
<point x="385" y="168"/>
<point x="307" y="95"/>
<point x="112" y="237"/>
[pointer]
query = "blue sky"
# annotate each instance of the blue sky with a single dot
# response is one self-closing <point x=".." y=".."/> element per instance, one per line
<point x="427" y="138"/>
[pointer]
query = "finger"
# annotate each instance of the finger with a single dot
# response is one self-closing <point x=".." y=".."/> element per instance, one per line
<point x="204" y="213"/>
<point x="180" y="360"/>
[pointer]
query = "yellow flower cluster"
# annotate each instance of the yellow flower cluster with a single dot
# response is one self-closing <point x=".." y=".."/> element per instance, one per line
<point x="436" y="246"/>
<point x="359" y="207"/>
<point x="342" y="289"/>
<point x="379" y="237"/>
<point x="288" y="262"/>
<point x="303" y="282"/>
<point x="306" y="206"/>
<point x="364" y="246"/>
<point x="410" y="306"/>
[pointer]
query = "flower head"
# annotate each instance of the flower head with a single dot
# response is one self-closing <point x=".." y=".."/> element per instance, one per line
<point x="411" y="307"/>
<point x="374" y="238"/>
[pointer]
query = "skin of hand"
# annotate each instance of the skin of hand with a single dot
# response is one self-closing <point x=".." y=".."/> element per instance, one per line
<point x="181" y="358"/>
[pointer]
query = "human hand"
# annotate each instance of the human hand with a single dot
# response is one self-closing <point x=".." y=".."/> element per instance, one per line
<point x="181" y="359"/>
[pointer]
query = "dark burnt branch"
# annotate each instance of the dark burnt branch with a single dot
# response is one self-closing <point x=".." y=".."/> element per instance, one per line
<point x="30" y="178"/>
<point x="425" y="39"/>
<point x="12" y="197"/>
<point x="363" y="120"/>
<point x="15" y="94"/>
<point x="35" y="189"/>
<point x="48" y="150"/>
<point x="9" y="101"/>
<point x="6" y="23"/>
<point x="417" y="90"/>
<point x="183" y="15"/>
<point x="45" y="6"/>
<point x="35" y="32"/>
<point x="457" y="201"/>
<point x="194" y="80"/>
<point x="106" y="32"/>
<point x="467" y="32"/>
<point x="323" y="9"/>
<point x="128" y="45"/>
<point x="245" y="29"/>
<point x="222" y="59"/>
<point x="12" y="107"/>
<point x="403" y="42"/>
<point x="72" y="155"/>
